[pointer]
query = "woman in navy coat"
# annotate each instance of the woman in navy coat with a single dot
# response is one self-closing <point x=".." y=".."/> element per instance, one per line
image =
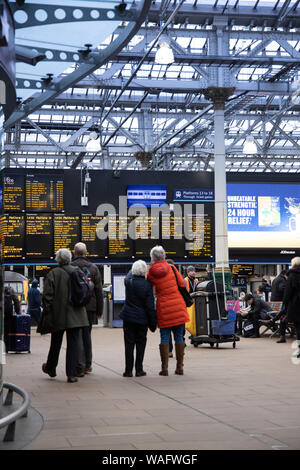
<point x="137" y="314"/>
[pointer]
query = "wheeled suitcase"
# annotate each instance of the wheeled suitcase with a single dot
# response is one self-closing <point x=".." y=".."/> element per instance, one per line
<point x="19" y="333"/>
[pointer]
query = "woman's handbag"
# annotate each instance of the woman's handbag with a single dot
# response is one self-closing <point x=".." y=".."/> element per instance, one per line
<point x="183" y="291"/>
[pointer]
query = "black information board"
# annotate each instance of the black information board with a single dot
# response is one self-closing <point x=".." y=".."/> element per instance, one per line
<point x="147" y="233"/>
<point x="242" y="269"/>
<point x="39" y="236"/>
<point x="119" y="244"/>
<point x="44" y="193"/>
<point x="96" y="248"/>
<point x="66" y="231"/>
<point x="201" y="244"/>
<point x="12" y="236"/>
<point x="172" y="235"/>
<point x="13" y="192"/>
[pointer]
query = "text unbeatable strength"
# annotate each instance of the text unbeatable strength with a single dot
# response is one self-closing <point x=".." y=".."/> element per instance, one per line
<point x="151" y="459"/>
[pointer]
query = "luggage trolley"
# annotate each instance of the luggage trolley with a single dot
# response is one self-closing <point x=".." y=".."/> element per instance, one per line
<point x="213" y="324"/>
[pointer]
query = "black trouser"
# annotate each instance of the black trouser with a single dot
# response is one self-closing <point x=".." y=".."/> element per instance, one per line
<point x="297" y="328"/>
<point x="282" y="326"/>
<point x="72" y="354"/>
<point x="86" y="346"/>
<point x="134" y="336"/>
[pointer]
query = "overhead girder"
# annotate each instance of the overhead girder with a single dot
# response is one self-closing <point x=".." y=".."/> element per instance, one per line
<point x="57" y="87"/>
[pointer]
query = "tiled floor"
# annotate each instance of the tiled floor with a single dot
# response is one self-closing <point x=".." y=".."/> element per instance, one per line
<point x="247" y="398"/>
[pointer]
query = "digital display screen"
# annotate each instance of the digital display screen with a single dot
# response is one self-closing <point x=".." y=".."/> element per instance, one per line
<point x="42" y="270"/>
<point x="39" y="235"/>
<point x="119" y="244"/>
<point x="200" y="241"/>
<point x="66" y="231"/>
<point x="44" y="193"/>
<point x="242" y="269"/>
<point x="96" y="248"/>
<point x="147" y="234"/>
<point x="13" y="192"/>
<point x="172" y="236"/>
<point x="150" y="195"/>
<point x="263" y="215"/>
<point x="12" y="236"/>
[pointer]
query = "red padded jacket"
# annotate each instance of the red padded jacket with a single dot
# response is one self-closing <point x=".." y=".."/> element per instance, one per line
<point x="170" y="306"/>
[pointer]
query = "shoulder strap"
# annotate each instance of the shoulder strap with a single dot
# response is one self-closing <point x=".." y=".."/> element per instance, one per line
<point x="174" y="274"/>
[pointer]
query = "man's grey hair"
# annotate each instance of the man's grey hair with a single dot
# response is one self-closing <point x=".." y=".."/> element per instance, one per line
<point x="80" y="249"/>
<point x="139" y="268"/>
<point x="157" y="253"/>
<point x="63" y="256"/>
<point x="295" y="262"/>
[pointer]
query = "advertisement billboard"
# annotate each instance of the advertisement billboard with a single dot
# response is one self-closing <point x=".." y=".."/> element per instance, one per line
<point x="263" y="215"/>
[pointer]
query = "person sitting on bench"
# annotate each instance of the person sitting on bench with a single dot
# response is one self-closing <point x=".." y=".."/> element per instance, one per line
<point x="258" y="311"/>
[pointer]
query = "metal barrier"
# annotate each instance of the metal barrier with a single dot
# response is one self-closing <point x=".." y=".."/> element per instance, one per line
<point x="10" y="420"/>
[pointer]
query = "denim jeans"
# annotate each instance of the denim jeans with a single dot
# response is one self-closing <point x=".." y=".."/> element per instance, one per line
<point x="165" y="334"/>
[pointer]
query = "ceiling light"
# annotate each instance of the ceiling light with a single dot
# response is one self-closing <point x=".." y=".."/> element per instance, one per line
<point x="94" y="144"/>
<point x="250" y="146"/>
<point x="164" y="55"/>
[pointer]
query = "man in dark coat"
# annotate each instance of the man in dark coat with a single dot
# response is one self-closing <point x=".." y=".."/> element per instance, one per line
<point x="291" y="299"/>
<point x="63" y="317"/>
<point x="95" y="306"/>
<point x="258" y="311"/>
<point x="34" y="301"/>
<point x="11" y="304"/>
<point x="137" y="314"/>
<point x="278" y="286"/>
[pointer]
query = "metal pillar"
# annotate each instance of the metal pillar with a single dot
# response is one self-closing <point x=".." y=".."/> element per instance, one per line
<point x="219" y="95"/>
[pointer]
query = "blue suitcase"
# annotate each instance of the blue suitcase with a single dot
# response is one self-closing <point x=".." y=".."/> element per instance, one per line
<point x="19" y="333"/>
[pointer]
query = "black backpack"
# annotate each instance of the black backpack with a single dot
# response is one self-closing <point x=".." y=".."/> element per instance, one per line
<point x="80" y="288"/>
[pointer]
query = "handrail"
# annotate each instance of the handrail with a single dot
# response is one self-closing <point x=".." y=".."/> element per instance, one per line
<point x="10" y="420"/>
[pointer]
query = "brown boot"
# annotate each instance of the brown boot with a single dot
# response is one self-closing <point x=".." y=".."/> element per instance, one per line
<point x="164" y="354"/>
<point x="179" y="347"/>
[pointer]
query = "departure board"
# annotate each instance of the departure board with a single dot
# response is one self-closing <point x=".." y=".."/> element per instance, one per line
<point x="12" y="236"/>
<point x="201" y="246"/>
<point x="44" y="193"/>
<point x="66" y="231"/>
<point x="147" y="235"/>
<point x="118" y="245"/>
<point x="172" y="236"/>
<point x="13" y="192"/>
<point x="42" y="270"/>
<point x="39" y="235"/>
<point x="96" y="248"/>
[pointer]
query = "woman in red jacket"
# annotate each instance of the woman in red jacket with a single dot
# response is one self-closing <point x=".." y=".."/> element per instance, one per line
<point x="170" y="307"/>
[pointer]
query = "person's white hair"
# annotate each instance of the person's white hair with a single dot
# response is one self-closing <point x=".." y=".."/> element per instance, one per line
<point x="63" y="256"/>
<point x="80" y="249"/>
<point x="295" y="262"/>
<point x="157" y="253"/>
<point x="139" y="268"/>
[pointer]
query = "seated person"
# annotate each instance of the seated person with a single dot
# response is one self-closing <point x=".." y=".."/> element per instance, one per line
<point x="258" y="311"/>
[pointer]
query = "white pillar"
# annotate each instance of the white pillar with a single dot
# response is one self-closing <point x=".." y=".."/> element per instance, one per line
<point x="221" y="231"/>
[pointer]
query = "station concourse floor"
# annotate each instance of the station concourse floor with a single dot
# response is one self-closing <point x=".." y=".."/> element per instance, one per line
<point x="243" y="398"/>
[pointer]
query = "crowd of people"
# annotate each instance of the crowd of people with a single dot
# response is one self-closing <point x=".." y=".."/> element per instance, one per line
<point x="153" y="299"/>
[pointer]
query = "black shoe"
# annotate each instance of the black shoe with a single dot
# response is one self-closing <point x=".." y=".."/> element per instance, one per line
<point x="72" y="380"/>
<point x="127" y="374"/>
<point x="141" y="373"/>
<point x="80" y="374"/>
<point x="281" y="340"/>
<point x="46" y="371"/>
